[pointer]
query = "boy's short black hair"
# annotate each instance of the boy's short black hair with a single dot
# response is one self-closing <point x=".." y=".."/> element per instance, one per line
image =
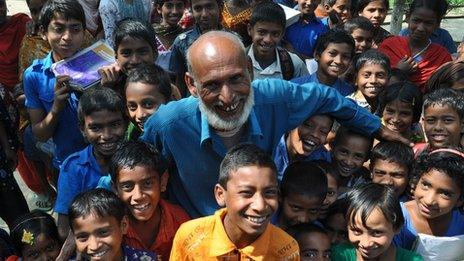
<point x="296" y="231"/>
<point x="329" y="2"/>
<point x="365" y="198"/>
<point x="152" y="74"/>
<point x="335" y="36"/>
<point x="373" y="57"/>
<point x="452" y="164"/>
<point x="448" y="97"/>
<point x="68" y="9"/>
<point x="161" y="2"/>
<point x="136" y="29"/>
<point x="359" y="5"/>
<point x="329" y="169"/>
<point x="358" y="22"/>
<point x="405" y="92"/>
<point x="98" y="99"/>
<point x="304" y="178"/>
<point x="270" y="12"/>
<point x="98" y="202"/>
<point x="244" y="155"/>
<point x="36" y="222"/>
<point x="343" y="133"/>
<point x="136" y="153"/>
<point x="393" y="151"/>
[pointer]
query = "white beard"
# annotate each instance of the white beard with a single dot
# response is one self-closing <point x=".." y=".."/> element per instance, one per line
<point x="219" y="123"/>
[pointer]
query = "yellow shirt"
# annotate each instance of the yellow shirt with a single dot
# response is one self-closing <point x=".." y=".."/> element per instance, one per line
<point x="206" y="239"/>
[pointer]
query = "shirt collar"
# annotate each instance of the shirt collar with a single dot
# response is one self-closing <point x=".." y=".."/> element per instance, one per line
<point x="271" y="69"/>
<point x="222" y="245"/>
<point x="46" y="63"/>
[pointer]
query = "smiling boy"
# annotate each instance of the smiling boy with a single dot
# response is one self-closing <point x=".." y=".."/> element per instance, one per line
<point x="248" y="189"/>
<point x="98" y="220"/>
<point x="139" y="176"/>
<point x="103" y="121"/>
<point x="268" y="60"/>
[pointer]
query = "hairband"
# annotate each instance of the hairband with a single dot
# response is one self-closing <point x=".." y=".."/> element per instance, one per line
<point x="26" y="220"/>
<point x="453" y="151"/>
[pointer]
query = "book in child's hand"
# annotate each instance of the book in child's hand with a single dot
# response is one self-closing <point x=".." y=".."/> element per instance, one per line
<point x="83" y="66"/>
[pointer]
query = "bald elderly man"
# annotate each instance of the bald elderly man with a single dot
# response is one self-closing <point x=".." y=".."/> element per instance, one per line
<point x="226" y="108"/>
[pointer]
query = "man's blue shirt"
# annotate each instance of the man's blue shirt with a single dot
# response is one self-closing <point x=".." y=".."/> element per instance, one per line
<point x="439" y="36"/>
<point x="184" y="137"/>
<point x="343" y="87"/>
<point x="39" y="84"/>
<point x="303" y="35"/>
<point x="79" y="172"/>
<point x="282" y="160"/>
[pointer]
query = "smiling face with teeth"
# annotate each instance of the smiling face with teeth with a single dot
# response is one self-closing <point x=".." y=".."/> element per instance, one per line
<point x="251" y="198"/>
<point x="371" y="79"/>
<point x="309" y="136"/>
<point x="140" y="188"/>
<point x="333" y="62"/>
<point x="105" y="130"/>
<point x="350" y="154"/>
<point x="442" y="126"/>
<point x="266" y="36"/>
<point x="99" y="238"/>
<point x="219" y="77"/>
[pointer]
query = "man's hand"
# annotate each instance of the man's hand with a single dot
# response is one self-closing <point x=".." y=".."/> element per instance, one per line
<point x="407" y="65"/>
<point x="385" y="133"/>
<point x="61" y="93"/>
<point x="109" y="75"/>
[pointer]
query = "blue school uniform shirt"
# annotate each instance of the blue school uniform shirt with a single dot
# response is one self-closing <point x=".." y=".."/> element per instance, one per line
<point x="408" y="233"/>
<point x="79" y="172"/>
<point x="182" y="133"/>
<point x="39" y="83"/>
<point x="439" y="36"/>
<point x="303" y="35"/>
<point x="343" y="87"/>
<point x="282" y="161"/>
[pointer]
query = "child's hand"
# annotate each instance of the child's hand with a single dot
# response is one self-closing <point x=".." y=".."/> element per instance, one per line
<point x="407" y="65"/>
<point x="61" y="93"/>
<point x="109" y="75"/>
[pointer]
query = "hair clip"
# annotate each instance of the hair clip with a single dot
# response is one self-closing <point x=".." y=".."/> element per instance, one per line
<point x="28" y="237"/>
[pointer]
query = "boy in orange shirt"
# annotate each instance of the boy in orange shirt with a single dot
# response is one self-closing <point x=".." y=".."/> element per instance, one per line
<point x="248" y="189"/>
<point x="139" y="176"/>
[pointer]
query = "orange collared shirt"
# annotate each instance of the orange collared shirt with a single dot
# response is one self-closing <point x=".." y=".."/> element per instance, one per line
<point x="206" y="239"/>
<point x="172" y="217"/>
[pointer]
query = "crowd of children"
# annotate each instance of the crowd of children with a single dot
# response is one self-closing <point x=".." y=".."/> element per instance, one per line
<point x="293" y="179"/>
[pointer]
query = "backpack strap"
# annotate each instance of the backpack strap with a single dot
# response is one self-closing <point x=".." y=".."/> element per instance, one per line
<point x="286" y="64"/>
<point x="249" y="63"/>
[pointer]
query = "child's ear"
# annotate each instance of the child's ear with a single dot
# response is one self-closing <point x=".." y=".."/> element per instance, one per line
<point x="43" y="33"/>
<point x="219" y="193"/>
<point x="249" y="29"/>
<point x="316" y="56"/>
<point x="158" y="8"/>
<point x="191" y="84"/>
<point x="124" y="225"/>
<point x="327" y="7"/>
<point x="164" y="181"/>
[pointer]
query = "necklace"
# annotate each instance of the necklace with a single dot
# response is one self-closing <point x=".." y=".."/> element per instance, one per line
<point x="421" y="51"/>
